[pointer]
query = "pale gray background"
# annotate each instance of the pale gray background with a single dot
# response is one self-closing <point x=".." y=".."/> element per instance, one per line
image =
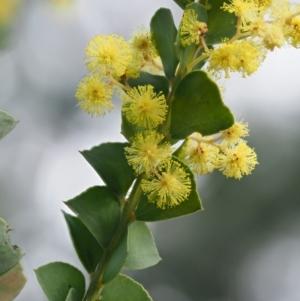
<point x="245" y="246"/>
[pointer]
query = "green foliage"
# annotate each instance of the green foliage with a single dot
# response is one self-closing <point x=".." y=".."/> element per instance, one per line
<point x="221" y="24"/>
<point x="99" y="210"/>
<point x="164" y="34"/>
<point x="11" y="283"/>
<point x="150" y="212"/>
<point x="109" y="162"/>
<point x="183" y="3"/>
<point x="198" y="97"/>
<point x="159" y="82"/>
<point x="87" y="247"/>
<point x="117" y="259"/>
<point x="9" y="255"/>
<point x="72" y="295"/>
<point x="56" y="280"/>
<point x="12" y="279"/>
<point x="142" y="252"/>
<point x="127" y="288"/>
<point x="7" y="123"/>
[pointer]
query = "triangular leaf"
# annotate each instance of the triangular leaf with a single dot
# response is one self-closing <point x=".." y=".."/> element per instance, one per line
<point x="125" y="288"/>
<point x="99" y="210"/>
<point x="142" y="252"/>
<point x="87" y="247"/>
<point x="108" y="160"/>
<point x="199" y="98"/>
<point x="159" y="82"/>
<point x="11" y="283"/>
<point x="9" y="255"/>
<point x="72" y="296"/>
<point x="221" y="24"/>
<point x="183" y="3"/>
<point x="57" y="278"/>
<point x="164" y="33"/>
<point x="7" y="123"/>
<point x="117" y="259"/>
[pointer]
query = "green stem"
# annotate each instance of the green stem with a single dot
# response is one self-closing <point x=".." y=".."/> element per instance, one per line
<point x="164" y="128"/>
<point x="96" y="285"/>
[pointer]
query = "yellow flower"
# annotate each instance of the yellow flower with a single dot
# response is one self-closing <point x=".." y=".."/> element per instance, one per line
<point x="169" y="187"/>
<point x="147" y="151"/>
<point x="108" y="54"/>
<point x="7" y="10"/>
<point x="191" y="29"/>
<point x="142" y="44"/>
<point x="292" y="32"/>
<point x="235" y="132"/>
<point x="247" y="10"/>
<point x="242" y="56"/>
<point x="237" y="160"/>
<point x="143" y="107"/>
<point x="199" y="154"/>
<point x="94" y="96"/>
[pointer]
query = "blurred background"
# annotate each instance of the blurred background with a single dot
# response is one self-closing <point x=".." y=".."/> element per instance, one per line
<point x="245" y="245"/>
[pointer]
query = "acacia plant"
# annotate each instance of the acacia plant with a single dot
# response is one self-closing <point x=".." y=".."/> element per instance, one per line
<point x="176" y="126"/>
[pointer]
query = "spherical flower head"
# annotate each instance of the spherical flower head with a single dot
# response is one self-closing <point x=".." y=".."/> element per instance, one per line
<point x="191" y="29"/>
<point x="94" y="96"/>
<point x="147" y="151"/>
<point x="236" y="161"/>
<point x="223" y="59"/>
<point x="292" y="31"/>
<point x="108" y="54"/>
<point x="247" y="10"/>
<point x="169" y="187"/>
<point x="242" y="56"/>
<point x="199" y="154"/>
<point x="143" y="107"/>
<point x="233" y="134"/>
<point x="249" y="56"/>
<point x="142" y="44"/>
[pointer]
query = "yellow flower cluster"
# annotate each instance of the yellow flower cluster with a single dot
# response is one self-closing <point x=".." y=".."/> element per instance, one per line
<point x="232" y="156"/>
<point x="262" y="24"/>
<point x="110" y="60"/>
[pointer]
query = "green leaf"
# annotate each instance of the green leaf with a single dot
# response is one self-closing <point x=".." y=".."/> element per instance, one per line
<point x="109" y="161"/>
<point x="117" y="259"/>
<point x="141" y="246"/>
<point x="11" y="283"/>
<point x="9" y="255"/>
<point x="88" y="249"/>
<point x="164" y="33"/>
<point x="186" y="54"/>
<point x="128" y="129"/>
<point x="99" y="210"/>
<point x="7" y="123"/>
<point x="72" y="296"/>
<point x="160" y="83"/>
<point x="127" y="288"/>
<point x="57" y="278"/>
<point x="149" y="212"/>
<point x="199" y="98"/>
<point x="183" y="3"/>
<point x="221" y="24"/>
